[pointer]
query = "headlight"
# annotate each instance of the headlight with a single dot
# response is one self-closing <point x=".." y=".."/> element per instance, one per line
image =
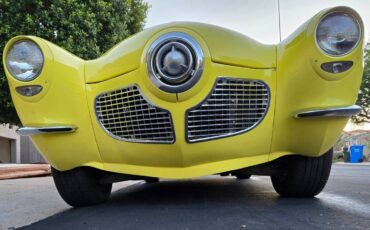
<point x="24" y="60"/>
<point x="338" y="33"/>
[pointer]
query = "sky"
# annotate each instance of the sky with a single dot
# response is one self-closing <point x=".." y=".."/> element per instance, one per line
<point x="257" y="19"/>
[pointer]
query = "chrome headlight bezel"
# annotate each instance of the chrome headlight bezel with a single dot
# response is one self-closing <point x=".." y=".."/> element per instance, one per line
<point x="333" y="53"/>
<point x="40" y="65"/>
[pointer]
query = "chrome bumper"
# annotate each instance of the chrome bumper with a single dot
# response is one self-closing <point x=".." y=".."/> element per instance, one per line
<point x="345" y="111"/>
<point x="27" y="131"/>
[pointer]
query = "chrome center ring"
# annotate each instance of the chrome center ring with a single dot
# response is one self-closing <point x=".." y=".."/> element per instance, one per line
<point x="175" y="62"/>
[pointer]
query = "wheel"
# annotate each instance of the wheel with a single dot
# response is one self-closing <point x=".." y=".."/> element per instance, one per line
<point x="243" y="176"/>
<point x="80" y="187"/>
<point x="302" y="176"/>
<point x="151" y="180"/>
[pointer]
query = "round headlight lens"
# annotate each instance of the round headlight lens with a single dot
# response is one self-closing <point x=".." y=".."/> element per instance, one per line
<point x="338" y="33"/>
<point x="24" y="60"/>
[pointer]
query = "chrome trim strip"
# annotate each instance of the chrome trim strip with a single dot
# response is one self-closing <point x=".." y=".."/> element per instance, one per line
<point x="27" y="131"/>
<point x="345" y="111"/>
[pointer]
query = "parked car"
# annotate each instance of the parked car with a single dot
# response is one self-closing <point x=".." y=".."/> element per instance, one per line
<point x="186" y="99"/>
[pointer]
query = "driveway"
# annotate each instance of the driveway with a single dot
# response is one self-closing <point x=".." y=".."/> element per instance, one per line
<point x="205" y="203"/>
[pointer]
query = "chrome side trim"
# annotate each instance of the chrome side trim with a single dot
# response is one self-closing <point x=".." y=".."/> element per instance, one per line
<point x="27" y="131"/>
<point x="345" y="111"/>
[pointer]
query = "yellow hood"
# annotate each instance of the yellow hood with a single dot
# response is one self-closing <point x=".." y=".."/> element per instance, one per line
<point x="225" y="47"/>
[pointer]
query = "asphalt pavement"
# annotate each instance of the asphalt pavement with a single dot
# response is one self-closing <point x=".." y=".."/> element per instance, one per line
<point x="205" y="203"/>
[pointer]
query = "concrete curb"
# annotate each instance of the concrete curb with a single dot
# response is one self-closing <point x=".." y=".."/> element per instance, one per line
<point x="22" y="171"/>
<point x="357" y="164"/>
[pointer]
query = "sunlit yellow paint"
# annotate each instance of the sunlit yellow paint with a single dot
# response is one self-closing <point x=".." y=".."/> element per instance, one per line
<point x="302" y="85"/>
<point x="291" y="69"/>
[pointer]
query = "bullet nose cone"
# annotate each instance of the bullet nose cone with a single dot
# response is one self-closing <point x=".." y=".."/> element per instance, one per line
<point x="174" y="63"/>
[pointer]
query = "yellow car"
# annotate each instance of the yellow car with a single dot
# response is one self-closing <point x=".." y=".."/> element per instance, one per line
<point x="184" y="100"/>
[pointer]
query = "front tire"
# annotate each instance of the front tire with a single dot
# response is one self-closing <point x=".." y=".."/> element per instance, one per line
<point x="151" y="180"/>
<point x="243" y="176"/>
<point x="302" y="176"/>
<point x="80" y="186"/>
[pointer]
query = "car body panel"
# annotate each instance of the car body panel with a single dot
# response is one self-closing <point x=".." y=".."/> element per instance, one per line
<point x="291" y="70"/>
<point x="182" y="154"/>
<point x="62" y="101"/>
<point x="127" y="55"/>
<point x="299" y="61"/>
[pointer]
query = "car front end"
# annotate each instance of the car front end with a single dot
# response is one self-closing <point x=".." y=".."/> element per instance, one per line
<point x="183" y="100"/>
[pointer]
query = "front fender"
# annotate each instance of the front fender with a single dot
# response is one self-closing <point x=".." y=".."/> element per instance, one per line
<point x="302" y="85"/>
<point x="62" y="101"/>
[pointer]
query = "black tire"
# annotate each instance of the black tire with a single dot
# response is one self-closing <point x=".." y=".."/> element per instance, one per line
<point x="151" y="180"/>
<point x="243" y="176"/>
<point x="80" y="187"/>
<point x="302" y="176"/>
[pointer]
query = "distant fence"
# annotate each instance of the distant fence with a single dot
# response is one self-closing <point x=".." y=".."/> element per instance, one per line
<point x="29" y="153"/>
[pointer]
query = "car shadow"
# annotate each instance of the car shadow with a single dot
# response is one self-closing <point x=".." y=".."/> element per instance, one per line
<point x="204" y="203"/>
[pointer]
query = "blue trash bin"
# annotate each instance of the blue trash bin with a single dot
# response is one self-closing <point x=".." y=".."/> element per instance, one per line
<point x="356" y="153"/>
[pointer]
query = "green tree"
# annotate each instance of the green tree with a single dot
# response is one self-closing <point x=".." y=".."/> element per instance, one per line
<point x="86" y="28"/>
<point x="363" y="99"/>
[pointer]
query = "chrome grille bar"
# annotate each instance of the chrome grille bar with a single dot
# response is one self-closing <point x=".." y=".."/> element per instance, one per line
<point x="126" y="115"/>
<point x="234" y="106"/>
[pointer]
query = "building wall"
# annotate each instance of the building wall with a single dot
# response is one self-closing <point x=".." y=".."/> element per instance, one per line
<point x="29" y="153"/>
<point x="17" y="149"/>
<point x="5" y="150"/>
<point x="9" y="133"/>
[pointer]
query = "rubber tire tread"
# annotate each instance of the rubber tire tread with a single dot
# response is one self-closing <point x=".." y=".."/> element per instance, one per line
<point x="80" y="187"/>
<point x="303" y="176"/>
<point x="243" y="176"/>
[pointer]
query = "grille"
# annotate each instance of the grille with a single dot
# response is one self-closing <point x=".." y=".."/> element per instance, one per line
<point x="126" y="115"/>
<point x="234" y="106"/>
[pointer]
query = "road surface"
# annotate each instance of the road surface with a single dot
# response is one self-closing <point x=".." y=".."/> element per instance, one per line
<point x="205" y="203"/>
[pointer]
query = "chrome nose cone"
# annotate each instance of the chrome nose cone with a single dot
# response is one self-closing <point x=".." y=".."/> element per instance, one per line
<point x="175" y="62"/>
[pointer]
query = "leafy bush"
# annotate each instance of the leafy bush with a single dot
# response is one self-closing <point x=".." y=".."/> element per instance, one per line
<point x="85" y="28"/>
<point x="363" y="99"/>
